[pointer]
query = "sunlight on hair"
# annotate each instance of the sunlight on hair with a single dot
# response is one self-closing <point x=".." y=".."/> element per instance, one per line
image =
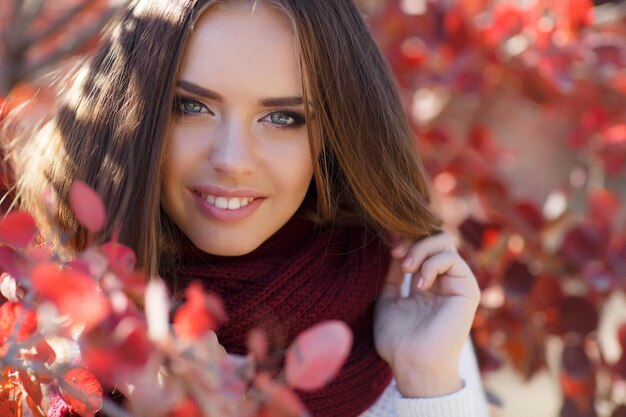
<point x="155" y="9"/>
<point x="74" y="92"/>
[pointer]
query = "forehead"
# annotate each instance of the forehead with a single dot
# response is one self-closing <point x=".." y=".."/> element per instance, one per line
<point x="244" y="42"/>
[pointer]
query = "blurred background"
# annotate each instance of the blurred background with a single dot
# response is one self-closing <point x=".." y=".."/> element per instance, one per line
<point x="519" y="109"/>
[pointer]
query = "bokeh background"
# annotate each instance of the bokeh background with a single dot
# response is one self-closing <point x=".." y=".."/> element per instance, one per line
<point x="519" y="109"/>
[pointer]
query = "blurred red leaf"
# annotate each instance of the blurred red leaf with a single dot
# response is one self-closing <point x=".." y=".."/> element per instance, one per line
<point x="281" y="400"/>
<point x="545" y="299"/>
<point x="14" y="263"/>
<point x="85" y="392"/>
<point x="10" y="398"/>
<point x="570" y="408"/>
<point x="584" y="242"/>
<point x="517" y="280"/>
<point x="578" y="315"/>
<point x="257" y="343"/>
<point x="604" y="206"/>
<point x="43" y="353"/>
<point x="121" y="258"/>
<point x="199" y="314"/>
<point x="18" y="229"/>
<point x="72" y="292"/>
<point x="186" y="408"/>
<point x="317" y="355"/>
<point x="87" y="206"/>
<point x="16" y="321"/>
<point x="531" y="214"/>
<point x="578" y="380"/>
<point x="32" y="386"/>
<point x="619" y="411"/>
<point x="120" y="343"/>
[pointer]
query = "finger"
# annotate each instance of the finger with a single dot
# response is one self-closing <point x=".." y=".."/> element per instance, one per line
<point x="447" y="264"/>
<point x="401" y="249"/>
<point x="426" y="248"/>
<point x="393" y="281"/>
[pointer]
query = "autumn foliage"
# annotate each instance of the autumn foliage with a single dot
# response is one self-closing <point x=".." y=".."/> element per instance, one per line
<point x="519" y="109"/>
<point x="71" y="329"/>
<point x="492" y="88"/>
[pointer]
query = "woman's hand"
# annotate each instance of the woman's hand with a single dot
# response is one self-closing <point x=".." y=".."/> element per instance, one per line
<point x="421" y="335"/>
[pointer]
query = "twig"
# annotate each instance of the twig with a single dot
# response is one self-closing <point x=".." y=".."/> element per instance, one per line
<point x="111" y="409"/>
<point x="79" y="41"/>
<point x="58" y="24"/>
<point x="32" y="11"/>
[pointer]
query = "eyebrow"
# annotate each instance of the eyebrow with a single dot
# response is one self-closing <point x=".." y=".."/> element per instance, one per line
<point x="212" y="95"/>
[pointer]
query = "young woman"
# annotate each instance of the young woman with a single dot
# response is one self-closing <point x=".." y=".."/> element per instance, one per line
<point x="261" y="147"/>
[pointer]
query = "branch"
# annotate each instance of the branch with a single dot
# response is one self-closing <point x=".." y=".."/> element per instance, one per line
<point x="70" y="47"/>
<point x="56" y="25"/>
<point x="32" y="11"/>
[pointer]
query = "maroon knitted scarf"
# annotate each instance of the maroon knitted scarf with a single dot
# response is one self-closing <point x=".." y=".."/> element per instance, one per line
<point x="301" y="276"/>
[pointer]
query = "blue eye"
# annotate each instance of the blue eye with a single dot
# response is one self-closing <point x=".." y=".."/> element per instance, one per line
<point x="189" y="107"/>
<point x="283" y="120"/>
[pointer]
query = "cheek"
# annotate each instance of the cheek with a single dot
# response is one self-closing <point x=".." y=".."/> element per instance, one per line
<point x="291" y="164"/>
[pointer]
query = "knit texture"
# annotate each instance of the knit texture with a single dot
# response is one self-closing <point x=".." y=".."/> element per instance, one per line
<point x="301" y="276"/>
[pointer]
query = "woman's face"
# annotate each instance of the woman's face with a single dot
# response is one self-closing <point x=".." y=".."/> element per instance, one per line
<point x="238" y="161"/>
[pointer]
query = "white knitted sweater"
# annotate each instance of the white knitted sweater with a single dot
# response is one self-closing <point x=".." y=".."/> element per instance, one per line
<point x="469" y="401"/>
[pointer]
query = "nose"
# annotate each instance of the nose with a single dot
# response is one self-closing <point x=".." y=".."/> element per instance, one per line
<point x="233" y="151"/>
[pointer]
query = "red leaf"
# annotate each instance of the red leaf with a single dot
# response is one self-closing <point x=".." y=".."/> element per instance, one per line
<point x="317" y="355"/>
<point x="14" y="263"/>
<point x="87" y="206"/>
<point x="18" y="229"/>
<point x="281" y="400"/>
<point x="584" y="243"/>
<point x="31" y="386"/>
<point x="257" y="343"/>
<point x="578" y="315"/>
<point x="13" y="314"/>
<point x="186" y="408"/>
<point x="43" y="353"/>
<point x="200" y="313"/>
<point x="72" y="292"/>
<point x="121" y="258"/>
<point x="120" y="343"/>
<point x="518" y="281"/>
<point x="85" y="392"/>
<point x="10" y="398"/>
<point x="604" y="206"/>
<point x="35" y="408"/>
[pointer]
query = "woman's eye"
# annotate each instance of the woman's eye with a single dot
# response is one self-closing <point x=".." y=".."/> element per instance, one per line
<point x="285" y="119"/>
<point x="189" y="107"/>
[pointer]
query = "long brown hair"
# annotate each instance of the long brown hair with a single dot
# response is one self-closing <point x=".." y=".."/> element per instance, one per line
<point x="111" y="128"/>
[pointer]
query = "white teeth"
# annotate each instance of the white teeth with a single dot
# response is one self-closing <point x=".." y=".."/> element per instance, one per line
<point x="234" y="204"/>
<point x="221" y="203"/>
<point x="228" y="203"/>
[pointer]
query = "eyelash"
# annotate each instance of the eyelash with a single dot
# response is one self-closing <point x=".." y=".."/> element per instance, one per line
<point x="298" y="119"/>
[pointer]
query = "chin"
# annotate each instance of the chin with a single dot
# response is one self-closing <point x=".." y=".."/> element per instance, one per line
<point x="228" y="248"/>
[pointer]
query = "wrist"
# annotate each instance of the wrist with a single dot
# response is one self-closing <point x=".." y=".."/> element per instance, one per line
<point x="424" y="385"/>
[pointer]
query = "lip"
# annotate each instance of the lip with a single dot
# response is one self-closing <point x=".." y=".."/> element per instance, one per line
<point x="221" y="192"/>
<point x="225" y="215"/>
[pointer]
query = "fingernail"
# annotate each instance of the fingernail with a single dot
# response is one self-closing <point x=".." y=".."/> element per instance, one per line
<point x="420" y="283"/>
<point x="407" y="263"/>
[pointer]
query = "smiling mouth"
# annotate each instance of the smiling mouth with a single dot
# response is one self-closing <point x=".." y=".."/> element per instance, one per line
<point x="223" y="203"/>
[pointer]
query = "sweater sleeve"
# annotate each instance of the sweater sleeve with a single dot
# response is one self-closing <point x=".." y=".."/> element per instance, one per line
<point x="469" y="401"/>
